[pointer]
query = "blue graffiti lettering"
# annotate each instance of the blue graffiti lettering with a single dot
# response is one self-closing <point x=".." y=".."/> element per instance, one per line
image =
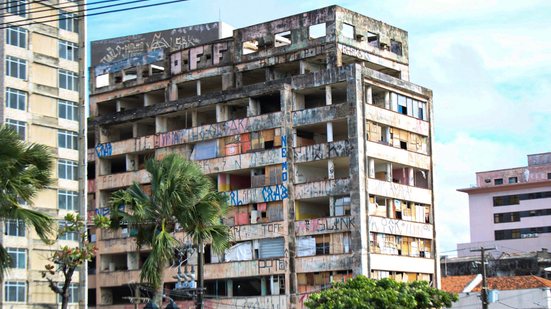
<point x="276" y="193"/>
<point x="104" y="150"/>
<point x="234" y="199"/>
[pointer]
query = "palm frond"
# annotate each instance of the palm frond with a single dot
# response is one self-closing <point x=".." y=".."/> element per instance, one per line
<point x="4" y="262"/>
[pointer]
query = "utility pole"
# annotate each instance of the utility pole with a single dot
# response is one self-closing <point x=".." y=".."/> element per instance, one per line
<point x="484" y="291"/>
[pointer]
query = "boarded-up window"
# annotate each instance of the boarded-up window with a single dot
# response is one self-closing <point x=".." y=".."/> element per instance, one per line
<point x="271" y="247"/>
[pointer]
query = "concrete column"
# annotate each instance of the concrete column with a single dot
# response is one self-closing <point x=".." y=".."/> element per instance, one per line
<point x="105" y="166"/>
<point x="229" y="287"/>
<point x="387" y="99"/>
<point x="329" y="132"/>
<point x="227" y="81"/>
<point x="254" y="108"/>
<point x="194" y="118"/>
<point x="299" y="102"/>
<point x="389" y="172"/>
<point x="135" y="130"/>
<point x="303" y="66"/>
<point x="328" y="95"/>
<point x="103" y="135"/>
<point x="387" y="134"/>
<point x="172" y="92"/>
<point x="371" y="171"/>
<point x="131" y="162"/>
<point x="221" y="112"/>
<point x="263" y="288"/>
<point x="198" y="87"/>
<point x="331" y="169"/>
<point x="411" y="177"/>
<point x="331" y="206"/>
<point x="161" y="124"/>
<point x="368" y="95"/>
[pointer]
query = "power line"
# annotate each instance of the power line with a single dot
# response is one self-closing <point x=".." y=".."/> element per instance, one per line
<point x="98" y="13"/>
<point x="59" y="7"/>
<point x="75" y="12"/>
<point x="18" y="4"/>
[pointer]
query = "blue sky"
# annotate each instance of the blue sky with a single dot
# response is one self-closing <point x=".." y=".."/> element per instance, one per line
<point x="487" y="62"/>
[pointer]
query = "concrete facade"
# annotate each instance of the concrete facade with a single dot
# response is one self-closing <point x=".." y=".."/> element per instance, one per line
<point x="310" y="125"/>
<point x="510" y="209"/>
<point x="42" y="85"/>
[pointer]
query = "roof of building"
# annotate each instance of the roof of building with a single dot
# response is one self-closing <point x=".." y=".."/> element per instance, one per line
<point x="456" y="284"/>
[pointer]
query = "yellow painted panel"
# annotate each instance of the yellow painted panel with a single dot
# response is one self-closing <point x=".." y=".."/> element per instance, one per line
<point x="46" y="199"/>
<point x="44" y="75"/>
<point x="43" y="135"/>
<point x="43" y="105"/>
<point x="44" y="45"/>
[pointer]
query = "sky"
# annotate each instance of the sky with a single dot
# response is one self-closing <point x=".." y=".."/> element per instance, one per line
<point x="487" y="62"/>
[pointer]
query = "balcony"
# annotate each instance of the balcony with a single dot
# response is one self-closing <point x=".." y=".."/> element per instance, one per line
<point x="402" y="263"/>
<point x="324" y="225"/>
<point x="322" y="151"/>
<point x="399" y="191"/>
<point x="121" y="180"/>
<point x="258" y="231"/>
<point x="400" y="227"/>
<point x="258" y="195"/>
<point x="251" y="268"/>
<point x="118" y="278"/>
<point x="322" y="188"/>
<point x="320" y="114"/>
<point x="400" y="156"/>
<point x="323" y="263"/>
<point x="241" y="161"/>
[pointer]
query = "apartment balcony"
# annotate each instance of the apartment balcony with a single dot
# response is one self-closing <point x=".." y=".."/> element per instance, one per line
<point x="323" y="263"/>
<point x="118" y="278"/>
<point x="397" y="155"/>
<point x="402" y="263"/>
<point x="322" y="151"/>
<point x="399" y="191"/>
<point x="241" y="161"/>
<point x="251" y="268"/>
<point x="400" y="227"/>
<point x="258" y="195"/>
<point x="324" y="225"/>
<point x="272" y="301"/>
<point x="121" y="180"/>
<point x="394" y="119"/>
<point x="258" y="231"/>
<point x="322" y="188"/>
<point x="320" y="114"/>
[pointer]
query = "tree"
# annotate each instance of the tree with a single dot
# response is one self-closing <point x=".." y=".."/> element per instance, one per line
<point x="364" y="293"/>
<point x="181" y="197"/>
<point x="67" y="259"/>
<point x="25" y="169"/>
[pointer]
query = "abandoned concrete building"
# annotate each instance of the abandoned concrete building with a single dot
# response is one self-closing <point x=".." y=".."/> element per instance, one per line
<point x="42" y="93"/>
<point x="310" y="125"/>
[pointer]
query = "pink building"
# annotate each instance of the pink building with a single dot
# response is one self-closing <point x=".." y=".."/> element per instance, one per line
<point x="511" y="208"/>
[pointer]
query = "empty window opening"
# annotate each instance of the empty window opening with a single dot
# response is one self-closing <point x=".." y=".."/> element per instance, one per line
<point x="118" y="165"/>
<point x="372" y="39"/>
<point x="211" y="84"/>
<point x="179" y="121"/>
<point x="187" y="89"/>
<point x="269" y="103"/>
<point x="253" y="77"/>
<point x="312" y="209"/>
<point x="91" y="168"/>
<point x="396" y="47"/>
<point x="237" y="109"/>
<point x="288" y="69"/>
<point x="206" y="116"/>
<point x="282" y="39"/>
<point x="347" y="30"/>
<point x="316" y="31"/>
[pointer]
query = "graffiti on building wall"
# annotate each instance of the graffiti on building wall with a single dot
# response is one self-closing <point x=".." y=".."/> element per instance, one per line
<point x="104" y="150"/>
<point x="321" y="225"/>
<point x="400" y="227"/>
<point x="257" y="231"/>
<point x="110" y="50"/>
<point x="258" y="195"/>
<point x="271" y="266"/>
<point x="322" y="188"/>
<point x="322" y="151"/>
<point x="284" y="175"/>
<point x="271" y="302"/>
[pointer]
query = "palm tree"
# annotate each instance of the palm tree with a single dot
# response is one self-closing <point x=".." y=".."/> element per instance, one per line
<point x="181" y="195"/>
<point x="25" y="169"/>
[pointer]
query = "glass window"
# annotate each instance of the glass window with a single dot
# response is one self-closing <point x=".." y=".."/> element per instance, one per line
<point x="67" y="169"/>
<point x="18" y="257"/>
<point x="513" y="179"/>
<point x="67" y="200"/>
<point x="16" y="67"/>
<point x="67" y="139"/>
<point x="68" y="80"/>
<point x="17" y="7"/>
<point x="68" y="50"/>
<point x="396" y="47"/>
<point x="67" y="110"/>
<point x="16" y="36"/>
<point x="67" y="235"/>
<point x="498" y="181"/>
<point x="73" y="294"/>
<point x="14" y="228"/>
<point x="16" y="99"/>
<point x="15" y="291"/>
<point x="18" y="126"/>
<point x="68" y="21"/>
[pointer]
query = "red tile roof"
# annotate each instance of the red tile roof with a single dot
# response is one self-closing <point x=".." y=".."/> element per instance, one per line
<point x="456" y="284"/>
